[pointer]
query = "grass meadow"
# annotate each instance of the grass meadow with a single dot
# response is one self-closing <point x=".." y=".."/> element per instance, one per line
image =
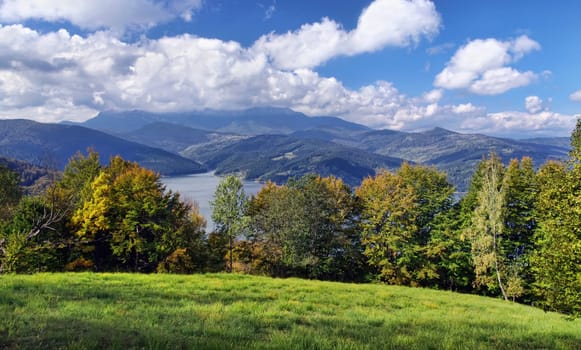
<point x="231" y="311"/>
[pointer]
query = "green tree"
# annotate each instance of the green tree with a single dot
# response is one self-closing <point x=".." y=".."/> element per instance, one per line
<point x="228" y="211"/>
<point x="575" y="153"/>
<point x="33" y="238"/>
<point x="433" y="196"/>
<point x="556" y="261"/>
<point x="78" y="175"/>
<point x="451" y="251"/>
<point x="328" y="246"/>
<point x="184" y="244"/>
<point x="306" y="228"/>
<point x="279" y="230"/>
<point x="519" y="224"/>
<point x="10" y="191"/>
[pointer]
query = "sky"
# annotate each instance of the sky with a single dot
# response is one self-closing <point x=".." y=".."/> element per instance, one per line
<point x="503" y="68"/>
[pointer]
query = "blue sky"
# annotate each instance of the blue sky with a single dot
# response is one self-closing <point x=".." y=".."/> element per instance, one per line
<point x="506" y="68"/>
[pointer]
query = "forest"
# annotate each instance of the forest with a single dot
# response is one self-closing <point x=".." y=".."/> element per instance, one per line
<point x="516" y="233"/>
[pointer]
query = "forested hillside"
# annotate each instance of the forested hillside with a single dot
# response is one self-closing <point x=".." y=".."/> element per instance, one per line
<point x="33" y="179"/>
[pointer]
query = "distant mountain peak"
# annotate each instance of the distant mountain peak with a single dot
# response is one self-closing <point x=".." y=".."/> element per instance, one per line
<point x="439" y="131"/>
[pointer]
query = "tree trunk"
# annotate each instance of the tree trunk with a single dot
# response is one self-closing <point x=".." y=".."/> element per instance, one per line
<point x="231" y="249"/>
<point x="497" y="270"/>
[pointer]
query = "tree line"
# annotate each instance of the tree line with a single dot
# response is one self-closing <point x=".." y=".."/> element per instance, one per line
<point x="516" y="233"/>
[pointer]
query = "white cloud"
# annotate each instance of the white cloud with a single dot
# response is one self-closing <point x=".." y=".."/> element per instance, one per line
<point x="95" y="14"/>
<point x="481" y="66"/>
<point x="538" y="119"/>
<point x="464" y="108"/>
<point x="533" y="104"/>
<point x="514" y="123"/>
<point x="499" y="80"/>
<point x="433" y="95"/>
<point x="575" y="96"/>
<point x="383" y="23"/>
<point x="523" y="45"/>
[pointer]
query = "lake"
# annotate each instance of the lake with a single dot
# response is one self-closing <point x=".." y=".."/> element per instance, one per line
<point x="201" y="188"/>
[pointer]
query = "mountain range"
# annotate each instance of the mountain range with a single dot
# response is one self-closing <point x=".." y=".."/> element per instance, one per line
<point x="264" y="144"/>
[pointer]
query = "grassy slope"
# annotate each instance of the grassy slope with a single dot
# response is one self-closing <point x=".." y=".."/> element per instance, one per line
<point x="236" y="311"/>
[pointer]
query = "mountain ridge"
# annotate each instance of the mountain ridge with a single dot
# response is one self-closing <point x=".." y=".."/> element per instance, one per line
<point x="55" y="144"/>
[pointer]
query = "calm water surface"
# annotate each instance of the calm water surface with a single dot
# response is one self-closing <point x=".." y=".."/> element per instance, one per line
<point x="201" y="188"/>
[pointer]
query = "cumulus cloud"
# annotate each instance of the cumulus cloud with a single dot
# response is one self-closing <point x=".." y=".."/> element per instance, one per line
<point x="98" y="14"/>
<point x="482" y="66"/>
<point x="464" y="108"/>
<point x="433" y="95"/>
<point x="383" y="23"/>
<point x="575" y="96"/>
<point x="533" y="104"/>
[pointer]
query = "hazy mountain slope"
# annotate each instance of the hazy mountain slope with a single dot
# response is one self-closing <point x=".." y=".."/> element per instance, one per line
<point x="253" y="121"/>
<point x="277" y="157"/>
<point x="564" y="142"/>
<point x="177" y="138"/>
<point x="53" y="144"/>
<point x="33" y="179"/>
<point x="455" y="153"/>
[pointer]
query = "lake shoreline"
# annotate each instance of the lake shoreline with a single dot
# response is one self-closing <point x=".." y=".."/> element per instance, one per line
<point x="200" y="188"/>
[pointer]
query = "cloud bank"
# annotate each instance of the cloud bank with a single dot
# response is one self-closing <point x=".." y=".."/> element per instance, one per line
<point x="118" y="15"/>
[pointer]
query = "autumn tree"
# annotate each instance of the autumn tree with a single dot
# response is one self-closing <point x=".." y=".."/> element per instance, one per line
<point x="398" y="220"/>
<point x="388" y="222"/>
<point x="131" y="222"/>
<point x="487" y="229"/>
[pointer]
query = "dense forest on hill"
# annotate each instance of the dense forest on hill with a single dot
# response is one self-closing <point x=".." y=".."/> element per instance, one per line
<point x="514" y="235"/>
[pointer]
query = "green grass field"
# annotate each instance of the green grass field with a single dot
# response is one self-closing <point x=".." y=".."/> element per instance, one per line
<point x="221" y="311"/>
